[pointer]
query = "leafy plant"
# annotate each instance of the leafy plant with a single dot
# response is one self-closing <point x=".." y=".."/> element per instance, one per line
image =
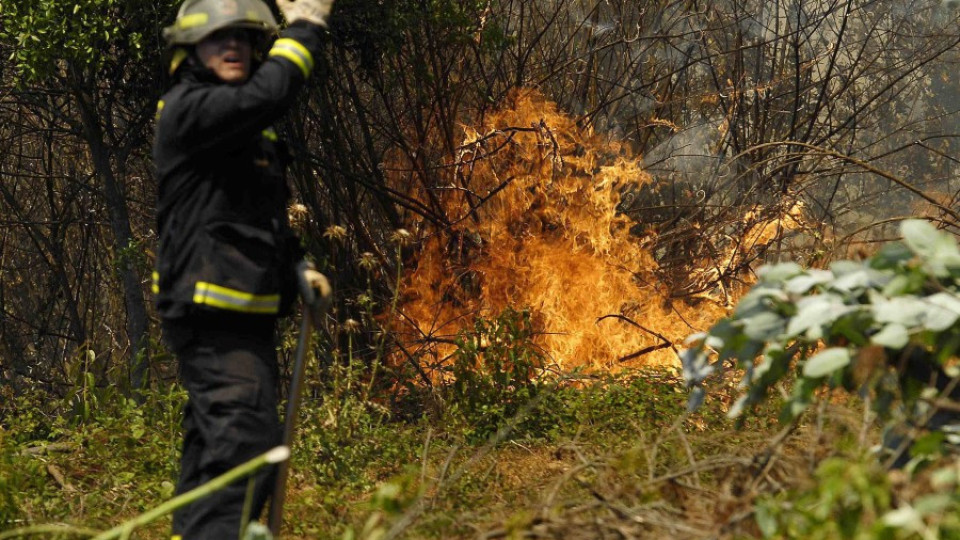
<point x="496" y="372"/>
<point x="854" y="498"/>
<point x="886" y="327"/>
<point x="46" y="32"/>
<point x="847" y="500"/>
<point x="347" y="427"/>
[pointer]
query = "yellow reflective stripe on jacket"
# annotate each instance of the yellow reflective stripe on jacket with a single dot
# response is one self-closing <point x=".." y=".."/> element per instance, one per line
<point x="234" y="300"/>
<point x="295" y="52"/>
<point x="155" y="287"/>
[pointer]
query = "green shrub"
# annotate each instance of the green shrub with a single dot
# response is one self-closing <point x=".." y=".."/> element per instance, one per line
<point x="344" y="424"/>
<point x="114" y="455"/>
<point x="887" y="328"/>
<point x="498" y="379"/>
<point x="22" y="477"/>
<point x="856" y="499"/>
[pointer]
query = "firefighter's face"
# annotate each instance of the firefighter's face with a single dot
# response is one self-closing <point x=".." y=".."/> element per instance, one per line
<point x="227" y="53"/>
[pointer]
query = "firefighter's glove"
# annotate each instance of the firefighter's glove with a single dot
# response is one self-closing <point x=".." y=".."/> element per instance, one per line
<point x="257" y="531"/>
<point x="315" y="290"/>
<point x="315" y="11"/>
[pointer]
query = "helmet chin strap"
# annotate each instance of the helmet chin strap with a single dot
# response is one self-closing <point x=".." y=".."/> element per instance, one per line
<point x="179" y="55"/>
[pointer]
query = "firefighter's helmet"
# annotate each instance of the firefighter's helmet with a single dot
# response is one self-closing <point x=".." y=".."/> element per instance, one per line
<point x="198" y="19"/>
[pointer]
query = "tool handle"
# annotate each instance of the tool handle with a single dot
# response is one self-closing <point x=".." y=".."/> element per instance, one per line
<point x="316" y="294"/>
<point x="289" y="425"/>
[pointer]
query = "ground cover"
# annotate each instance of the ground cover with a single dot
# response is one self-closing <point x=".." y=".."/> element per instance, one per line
<point x="616" y="456"/>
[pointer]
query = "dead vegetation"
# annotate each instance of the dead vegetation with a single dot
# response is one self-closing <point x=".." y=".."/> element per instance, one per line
<point x="708" y="487"/>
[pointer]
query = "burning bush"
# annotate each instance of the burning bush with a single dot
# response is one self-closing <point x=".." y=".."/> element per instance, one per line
<point x="540" y="223"/>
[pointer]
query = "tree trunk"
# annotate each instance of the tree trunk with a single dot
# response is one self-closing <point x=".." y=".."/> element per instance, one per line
<point x="137" y="324"/>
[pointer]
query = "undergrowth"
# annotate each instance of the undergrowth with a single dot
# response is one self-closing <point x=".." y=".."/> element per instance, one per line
<point x="86" y="467"/>
<point x="506" y="449"/>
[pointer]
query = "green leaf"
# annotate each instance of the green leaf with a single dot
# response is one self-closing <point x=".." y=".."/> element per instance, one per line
<point x="806" y="281"/>
<point x="908" y="311"/>
<point x="763" y="326"/>
<point x="905" y="518"/>
<point x="721" y="333"/>
<point x="862" y="278"/>
<point x="943" y="310"/>
<point x="933" y="504"/>
<point x="793" y="409"/>
<point x="841" y="268"/>
<point x="697" y="395"/>
<point x="930" y="444"/>
<point x="894" y="336"/>
<point x="816" y="311"/>
<point x="737" y="408"/>
<point x="800" y="399"/>
<point x="891" y="256"/>
<point x="943" y="262"/>
<point x="936" y="249"/>
<point x="778" y="273"/>
<point x="696" y="365"/>
<point x="759" y="299"/>
<point x="902" y="284"/>
<point x="826" y="362"/>
<point x="766" y="520"/>
<point x="921" y="237"/>
<point x="944" y="478"/>
<point x="852" y="327"/>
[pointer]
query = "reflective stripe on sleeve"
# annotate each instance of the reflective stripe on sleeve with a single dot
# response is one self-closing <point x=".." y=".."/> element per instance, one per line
<point x="293" y="51"/>
<point x="155" y="286"/>
<point x="234" y="300"/>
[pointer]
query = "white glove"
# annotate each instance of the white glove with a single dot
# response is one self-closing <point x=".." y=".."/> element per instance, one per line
<point x="315" y="11"/>
<point x="315" y="289"/>
<point x="319" y="285"/>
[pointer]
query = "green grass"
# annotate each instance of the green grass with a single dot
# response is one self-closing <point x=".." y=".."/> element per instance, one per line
<point x="586" y="457"/>
<point x="121" y="458"/>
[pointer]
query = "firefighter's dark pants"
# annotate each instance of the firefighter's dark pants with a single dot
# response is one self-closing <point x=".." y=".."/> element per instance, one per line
<point x="229" y="368"/>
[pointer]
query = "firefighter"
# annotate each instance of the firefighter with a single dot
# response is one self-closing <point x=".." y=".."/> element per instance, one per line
<point x="227" y="258"/>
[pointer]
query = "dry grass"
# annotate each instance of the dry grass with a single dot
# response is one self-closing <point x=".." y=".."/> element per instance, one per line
<point x="688" y="482"/>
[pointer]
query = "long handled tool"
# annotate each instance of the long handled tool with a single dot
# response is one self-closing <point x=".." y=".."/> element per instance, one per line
<point x="315" y="292"/>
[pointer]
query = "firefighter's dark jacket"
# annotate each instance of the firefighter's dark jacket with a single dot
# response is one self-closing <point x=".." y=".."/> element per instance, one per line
<point x="225" y="243"/>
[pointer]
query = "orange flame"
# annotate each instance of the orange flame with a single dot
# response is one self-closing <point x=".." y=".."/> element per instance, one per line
<point x="536" y="197"/>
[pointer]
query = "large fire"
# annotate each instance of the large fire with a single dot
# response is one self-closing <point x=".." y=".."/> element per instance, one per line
<point x="536" y="197"/>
